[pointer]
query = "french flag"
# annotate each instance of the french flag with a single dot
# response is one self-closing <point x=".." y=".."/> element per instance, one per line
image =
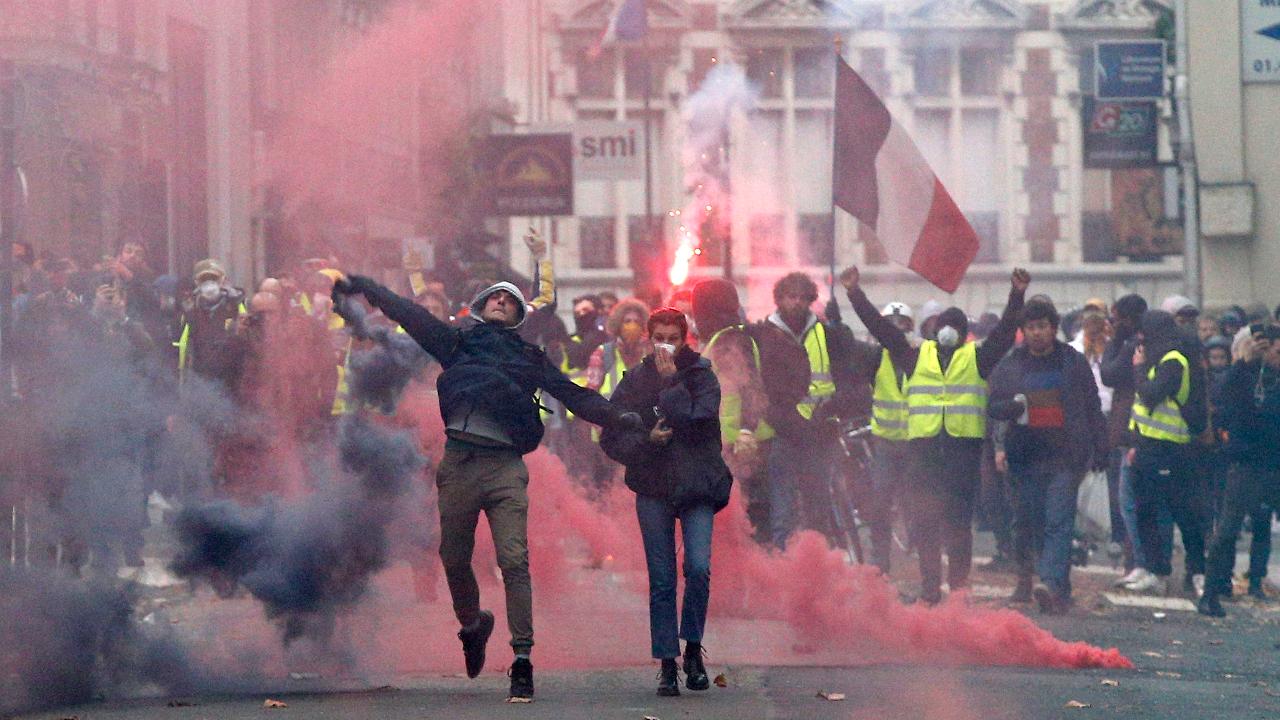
<point x="629" y="22"/>
<point x="880" y="177"/>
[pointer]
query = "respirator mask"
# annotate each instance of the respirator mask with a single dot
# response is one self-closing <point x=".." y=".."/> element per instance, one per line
<point x="948" y="337"/>
<point x="209" y="290"/>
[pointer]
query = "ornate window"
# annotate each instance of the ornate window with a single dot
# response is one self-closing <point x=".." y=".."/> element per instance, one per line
<point x="957" y="124"/>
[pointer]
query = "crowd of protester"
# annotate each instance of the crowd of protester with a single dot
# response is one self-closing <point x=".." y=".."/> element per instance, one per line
<point x="996" y="419"/>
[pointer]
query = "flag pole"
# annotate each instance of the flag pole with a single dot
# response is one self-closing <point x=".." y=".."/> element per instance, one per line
<point x="831" y="260"/>
<point x="648" y="169"/>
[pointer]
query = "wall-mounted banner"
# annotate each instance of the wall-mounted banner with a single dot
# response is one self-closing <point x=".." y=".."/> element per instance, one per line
<point x="1129" y="69"/>
<point x="530" y="175"/>
<point x="1119" y="134"/>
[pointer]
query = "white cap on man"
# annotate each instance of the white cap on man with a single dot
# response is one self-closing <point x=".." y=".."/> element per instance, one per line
<point x="897" y="308"/>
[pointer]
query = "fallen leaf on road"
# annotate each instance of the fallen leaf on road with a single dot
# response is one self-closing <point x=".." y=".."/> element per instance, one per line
<point x="1215" y="642"/>
<point x="721" y="681"/>
<point x="1076" y="705"/>
<point x="1151" y="653"/>
<point x="1111" y="683"/>
<point x="1175" y="642"/>
<point x="832" y="696"/>
<point x="1259" y="683"/>
<point x="1271" y="693"/>
<point x="274" y="704"/>
<point x="519" y="701"/>
<point x="1163" y="673"/>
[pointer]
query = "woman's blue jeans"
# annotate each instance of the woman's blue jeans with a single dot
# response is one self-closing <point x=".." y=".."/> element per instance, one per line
<point x="658" y="531"/>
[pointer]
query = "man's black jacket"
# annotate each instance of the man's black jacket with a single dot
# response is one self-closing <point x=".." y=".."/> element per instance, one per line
<point x="689" y="469"/>
<point x="488" y="367"/>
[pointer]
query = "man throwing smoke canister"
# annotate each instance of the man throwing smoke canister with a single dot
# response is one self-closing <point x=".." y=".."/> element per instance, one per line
<point x="491" y="419"/>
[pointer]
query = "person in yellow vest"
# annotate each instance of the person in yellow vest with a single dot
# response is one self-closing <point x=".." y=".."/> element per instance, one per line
<point x="608" y="363"/>
<point x="1164" y="418"/>
<point x="946" y="424"/>
<point x="890" y="451"/>
<point x="208" y="324"/>
<point x="735" y="359"/>
<point x="802" y="455"/>
<point x="628" y="347"/>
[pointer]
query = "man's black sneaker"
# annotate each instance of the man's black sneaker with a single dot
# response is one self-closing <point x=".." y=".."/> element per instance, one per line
<point x="1255" y="590"/>
<point x="1209" y="605"/>
<point x="1021" y="593"/>
<point x="475" y="638"/>
<point x="695" y="673"/>
<point x="669" y="678"/>
<point x="1050" y="604"/>
<point x="521" y="673"/>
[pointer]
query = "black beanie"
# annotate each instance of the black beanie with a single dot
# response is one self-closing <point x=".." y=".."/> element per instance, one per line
<point x="716" y="296"/>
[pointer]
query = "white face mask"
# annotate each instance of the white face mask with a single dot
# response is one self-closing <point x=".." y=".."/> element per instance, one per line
<point x="665" y="346"/>
<point x="209" y="290"/>
<point x="948" y="337"/>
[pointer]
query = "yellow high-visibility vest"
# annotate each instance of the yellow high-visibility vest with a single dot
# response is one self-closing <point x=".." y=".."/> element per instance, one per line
<point x="889" y="412"/>
<point x="820" y="383"/>
<point x="183" y="343"/>
<point x="955" y="400"/>
<point x="731" y="403"/>
<point x="1165" y="422"/>
<point x="342" y="395"/>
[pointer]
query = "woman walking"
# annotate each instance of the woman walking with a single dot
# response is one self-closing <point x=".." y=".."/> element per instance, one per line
<point x="675" y="468"/>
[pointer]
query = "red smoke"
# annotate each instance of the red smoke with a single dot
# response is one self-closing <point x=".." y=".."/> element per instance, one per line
<point x="805" y="606"/>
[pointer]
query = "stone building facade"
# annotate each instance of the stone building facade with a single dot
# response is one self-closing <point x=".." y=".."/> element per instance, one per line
<point x="991" y="91"/>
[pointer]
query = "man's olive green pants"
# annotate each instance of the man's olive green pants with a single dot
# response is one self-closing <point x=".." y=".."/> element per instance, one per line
<point x="492" y="481"/>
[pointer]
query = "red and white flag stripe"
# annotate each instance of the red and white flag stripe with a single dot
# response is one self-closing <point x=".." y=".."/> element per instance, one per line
<point x="881" y="178"/>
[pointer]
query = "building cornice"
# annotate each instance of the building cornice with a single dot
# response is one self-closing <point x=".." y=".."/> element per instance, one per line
<point x="593" y="15"/>
<point x="1112" y="15"/>
<point x="823" y="15"/>
<point x="930" y="15"/>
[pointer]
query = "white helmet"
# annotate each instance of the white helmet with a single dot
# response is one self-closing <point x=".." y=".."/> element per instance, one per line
<point x="897" y="308"/>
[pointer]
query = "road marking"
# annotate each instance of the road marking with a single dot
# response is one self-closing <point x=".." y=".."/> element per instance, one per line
<point x="1149" y="601"/>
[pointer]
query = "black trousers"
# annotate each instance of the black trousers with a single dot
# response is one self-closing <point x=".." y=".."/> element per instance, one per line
<point x="943" y="491"/>
<point x="1247" y="487"/>
<point x="1165" y="472"/>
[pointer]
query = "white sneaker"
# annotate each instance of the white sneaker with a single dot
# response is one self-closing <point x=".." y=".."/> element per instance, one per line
<point x="1133" y="576"/>
<point x="1148" y="583"/>
<point x="1197" y="581"/>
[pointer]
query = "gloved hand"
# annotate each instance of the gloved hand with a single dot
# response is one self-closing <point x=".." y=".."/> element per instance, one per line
<point x="832" y="310"/>
<point x="350" y="285"/>
<point x="629" y="421"/>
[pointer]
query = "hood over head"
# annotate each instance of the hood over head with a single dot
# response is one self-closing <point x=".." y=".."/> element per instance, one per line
<point x="1160" y="334"/>
<point x="477" y="304"/>
<point x="715" y="305"/>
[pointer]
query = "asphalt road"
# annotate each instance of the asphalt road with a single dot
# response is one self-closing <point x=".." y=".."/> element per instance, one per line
<point x="1187" y="667"/>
